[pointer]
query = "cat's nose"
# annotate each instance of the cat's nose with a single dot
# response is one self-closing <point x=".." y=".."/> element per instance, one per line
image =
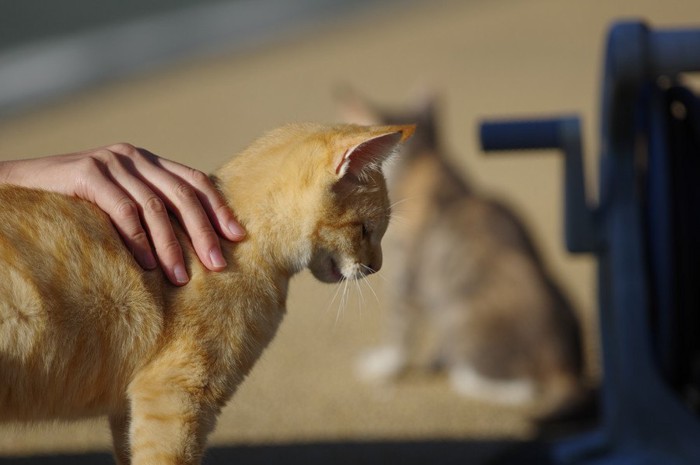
<point x="372" y="268"/>
<point x="375" y="262"/>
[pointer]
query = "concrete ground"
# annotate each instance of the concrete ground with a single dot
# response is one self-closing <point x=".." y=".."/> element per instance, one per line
<point x="302" y="402"/>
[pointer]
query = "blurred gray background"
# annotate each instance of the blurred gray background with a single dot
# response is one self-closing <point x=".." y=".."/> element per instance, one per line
<point x="50" y="48"/>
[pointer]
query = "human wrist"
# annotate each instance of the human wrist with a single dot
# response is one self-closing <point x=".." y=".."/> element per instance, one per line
<point x="6" y="172"/>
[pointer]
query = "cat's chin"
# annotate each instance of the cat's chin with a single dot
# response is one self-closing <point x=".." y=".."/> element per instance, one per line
<point x="328" y="272"/>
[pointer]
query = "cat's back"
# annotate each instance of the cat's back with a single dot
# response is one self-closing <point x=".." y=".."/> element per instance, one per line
<point x="459" y="241"/>
<point x="73" y="305"/>
<point x="50" y="228"/>
<point x="66" y="246"/>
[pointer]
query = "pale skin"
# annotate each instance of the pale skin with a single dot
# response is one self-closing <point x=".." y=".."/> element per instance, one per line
<point x="138" y="190"/>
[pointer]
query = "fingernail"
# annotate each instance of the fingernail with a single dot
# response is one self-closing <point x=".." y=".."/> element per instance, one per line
<point x="217" y="259"/>
<point x="180" y="274"/>
<point x="236" y="229"/>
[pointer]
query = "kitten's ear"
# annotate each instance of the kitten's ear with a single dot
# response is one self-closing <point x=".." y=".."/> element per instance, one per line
<point x="354" y="108"/>
<point x="373" y="151"/>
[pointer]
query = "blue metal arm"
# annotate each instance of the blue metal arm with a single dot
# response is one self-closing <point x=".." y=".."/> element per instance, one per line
<point x="563" y="133"/>
<point x="524" y="134"/>
<point x="674" y="51"/>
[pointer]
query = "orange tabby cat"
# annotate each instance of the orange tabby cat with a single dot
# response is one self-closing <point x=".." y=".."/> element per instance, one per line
<point x="84" y="331"/>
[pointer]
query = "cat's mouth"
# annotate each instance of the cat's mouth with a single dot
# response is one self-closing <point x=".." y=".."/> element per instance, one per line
<point x="325" y="267"/>
<point x="335" y="271"/>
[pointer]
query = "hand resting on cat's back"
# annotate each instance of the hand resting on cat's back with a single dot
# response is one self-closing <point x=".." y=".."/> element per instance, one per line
<point x="138" y="189"/>
<point x="85" y="331"/>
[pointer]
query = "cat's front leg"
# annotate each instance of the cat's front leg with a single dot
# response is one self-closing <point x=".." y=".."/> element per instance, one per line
<point x="389" y="361"/>
<point x="119" y="424"/>
<point x="169" y="435"/>
<point x="170" y="416"/>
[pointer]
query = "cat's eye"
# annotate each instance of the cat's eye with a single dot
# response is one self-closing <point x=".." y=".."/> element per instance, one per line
<point x="365" y="231"/>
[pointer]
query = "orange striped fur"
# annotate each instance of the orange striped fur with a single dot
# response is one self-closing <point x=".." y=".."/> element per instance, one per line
<point x="85" y="332"/>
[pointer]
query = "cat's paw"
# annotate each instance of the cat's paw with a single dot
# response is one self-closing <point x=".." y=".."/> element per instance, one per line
<point x="511" y="392"/>
<point x="381" y="364"/>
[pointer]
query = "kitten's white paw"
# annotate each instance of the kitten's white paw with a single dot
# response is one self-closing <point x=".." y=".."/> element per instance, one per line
<point x="468" y="382"/>
<point x="381" y="364"/>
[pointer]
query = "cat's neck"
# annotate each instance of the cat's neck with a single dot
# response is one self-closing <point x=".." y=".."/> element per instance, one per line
<point x="273" y="243"/>
<point x="277" y="235"/>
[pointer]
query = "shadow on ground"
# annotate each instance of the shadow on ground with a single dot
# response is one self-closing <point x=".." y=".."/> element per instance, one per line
<point x="355" y="453"/>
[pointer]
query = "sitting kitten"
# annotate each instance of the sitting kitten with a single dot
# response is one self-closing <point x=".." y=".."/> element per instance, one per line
<point x="464" y="266"/>
<point x="84" y="331"/>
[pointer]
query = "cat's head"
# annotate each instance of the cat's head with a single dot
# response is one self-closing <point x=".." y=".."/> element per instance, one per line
<point x="314" y="195"/>
<point x="355" y="214"/>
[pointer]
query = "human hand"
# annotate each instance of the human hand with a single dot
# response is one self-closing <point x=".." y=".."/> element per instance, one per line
<point x="137" y="189"/>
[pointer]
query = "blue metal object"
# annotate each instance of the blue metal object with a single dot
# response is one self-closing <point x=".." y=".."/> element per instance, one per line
<point x="644" y="421"/>
<point x="563" y="133"/>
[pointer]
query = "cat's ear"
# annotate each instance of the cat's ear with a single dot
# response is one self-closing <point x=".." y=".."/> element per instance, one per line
<point x="372" y="152"/>
<point x="354" y="108"/>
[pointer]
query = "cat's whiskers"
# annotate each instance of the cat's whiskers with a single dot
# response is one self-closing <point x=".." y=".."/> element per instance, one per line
<point x="344" y="297"/>
<point x="341" y="289"/>
<point x="366" y="281"/>
<point x="358" y="285"/>
<point x="403" y="206"/>
<point x="361" y="300"/>
<point x="338" y="286"/>
<point x="400" y="201"/>
<point x="344" y="290"/>
<point x="398" y="220"/>
<point x="382" y="277"/>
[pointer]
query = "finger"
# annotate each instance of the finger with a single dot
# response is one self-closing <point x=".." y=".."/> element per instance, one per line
<point x="124" y="214"/>
<point x="211" y="199"/>
<point x="160" y="229"/>
<point x="182" y="199"/>
<point x="156" y="222"/>
<point x="185" y="203"/>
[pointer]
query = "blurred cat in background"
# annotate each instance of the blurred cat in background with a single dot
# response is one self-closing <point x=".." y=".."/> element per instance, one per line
<point x="464" y="274"/>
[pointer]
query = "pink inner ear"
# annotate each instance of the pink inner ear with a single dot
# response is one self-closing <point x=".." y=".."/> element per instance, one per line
<point x="369" y="153"/>
<point x="342" y="166"/>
